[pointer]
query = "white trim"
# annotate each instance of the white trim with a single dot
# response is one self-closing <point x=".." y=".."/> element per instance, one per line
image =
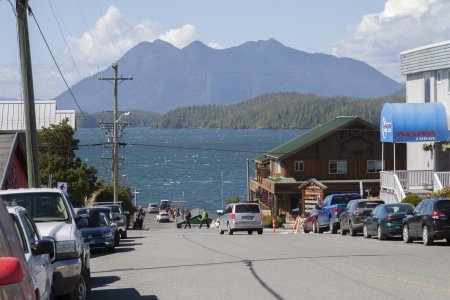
<point x="425" y="47"/>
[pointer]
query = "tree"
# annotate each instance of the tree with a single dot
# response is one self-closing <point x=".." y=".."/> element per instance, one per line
<point x="236" y="199"/>
<point x="57" y="158"/>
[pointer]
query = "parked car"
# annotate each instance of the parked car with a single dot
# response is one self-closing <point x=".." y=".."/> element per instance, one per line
<point x="355" y="213"/>
<point x="15" y="273"/>
<point x="97" y="231"/>
<point x="429" y="221"/>
<point x="153" y="208"/>
<point x="241" y="217"/>
<point x="331" y="209"/>
<point x="109" y="215"/>
<point x="38" y="252"/>
<point x="54" y="216"/>
<point x="164" y="204"/>
<point x="119" y="216"/>
<point x="386" y="220"/>
<point x="311" y="222"/>
<point x="162" y="216"/>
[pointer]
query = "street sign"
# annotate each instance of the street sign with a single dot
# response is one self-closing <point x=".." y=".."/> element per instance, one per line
<point x="62" y="186"/>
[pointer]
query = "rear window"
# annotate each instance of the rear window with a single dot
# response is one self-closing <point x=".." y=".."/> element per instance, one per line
<point x="401" y="208"/>
<point x="443" y="205"/>
<point x="247" y="208"/>
<point x="153" y="205"/>
<point x="344" y="199"/>
<point x="369" y="204"/>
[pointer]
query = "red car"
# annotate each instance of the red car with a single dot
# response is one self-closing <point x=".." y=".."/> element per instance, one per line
<point x="310" y="223"/>
<point x="15" y="278"/>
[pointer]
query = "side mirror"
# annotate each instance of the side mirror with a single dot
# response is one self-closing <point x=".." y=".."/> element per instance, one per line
<point x="126" y="213"/>
<point x="82" y="221"/>
<point x="44" y="247"/>
<point x="11" y="271"/>
<point x="317" y="206"/>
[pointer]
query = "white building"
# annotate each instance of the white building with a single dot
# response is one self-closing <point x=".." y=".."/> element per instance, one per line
<point x="12" y="115"/>
<point x="427" y="71"/>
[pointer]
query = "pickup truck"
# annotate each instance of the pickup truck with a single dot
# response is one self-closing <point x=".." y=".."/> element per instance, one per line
<point x="54" y="216"/>
<point x="330" y="210"/>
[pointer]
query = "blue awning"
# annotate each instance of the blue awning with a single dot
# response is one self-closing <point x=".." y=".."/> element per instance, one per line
<point x="414" y="122"/>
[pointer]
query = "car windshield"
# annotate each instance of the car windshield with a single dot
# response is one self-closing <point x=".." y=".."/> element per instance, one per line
<point x="443" y="205"/>
<point x="42" y="207"/>
<point x="247" y="208"/>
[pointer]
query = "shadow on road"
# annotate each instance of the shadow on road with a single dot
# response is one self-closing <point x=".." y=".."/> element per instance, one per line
<point x="122" y="294"/>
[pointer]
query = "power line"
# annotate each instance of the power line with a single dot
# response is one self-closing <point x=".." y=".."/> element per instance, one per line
<point x="59" y="69"/>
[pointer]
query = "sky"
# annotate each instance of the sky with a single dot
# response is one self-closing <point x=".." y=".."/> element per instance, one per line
<point x="87" y="36"/>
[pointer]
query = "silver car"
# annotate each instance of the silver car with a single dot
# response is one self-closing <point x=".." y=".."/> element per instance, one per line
<point x="241" y="217"/>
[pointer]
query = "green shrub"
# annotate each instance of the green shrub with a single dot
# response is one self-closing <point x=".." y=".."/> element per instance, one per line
<point x="267" y="221"/>
<point x="444" y="193"/>
<point x="412" y="199"/>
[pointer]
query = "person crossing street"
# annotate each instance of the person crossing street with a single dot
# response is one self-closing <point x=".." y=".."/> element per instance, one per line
<point x="204" y="219"/>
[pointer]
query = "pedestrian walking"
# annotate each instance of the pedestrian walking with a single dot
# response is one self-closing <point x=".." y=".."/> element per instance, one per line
<point x="187" y="216"/>
<point x="204" y="219"/>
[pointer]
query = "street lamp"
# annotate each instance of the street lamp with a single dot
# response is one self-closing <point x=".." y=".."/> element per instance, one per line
<point x="136" y="191"/>
<point x="115" y="168"/>
<point x="174" y="189"/>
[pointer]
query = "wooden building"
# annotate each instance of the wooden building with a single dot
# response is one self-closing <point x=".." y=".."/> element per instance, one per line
<point x="13" y="165"/>
<point x="341" y="156"/>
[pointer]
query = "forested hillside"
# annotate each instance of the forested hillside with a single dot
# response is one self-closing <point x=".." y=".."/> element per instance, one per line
<point x="279" y="110"/>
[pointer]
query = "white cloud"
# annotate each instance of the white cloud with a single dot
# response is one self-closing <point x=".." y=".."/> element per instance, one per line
<point x="180" y="37"/>
<point x="215" y="45"/>
<point x="403" y="24"/>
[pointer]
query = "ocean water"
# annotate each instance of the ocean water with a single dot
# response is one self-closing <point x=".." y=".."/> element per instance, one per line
<point x="182" y="164"/>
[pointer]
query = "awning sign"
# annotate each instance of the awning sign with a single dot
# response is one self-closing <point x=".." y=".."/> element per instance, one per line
<point x="414" y="122"/>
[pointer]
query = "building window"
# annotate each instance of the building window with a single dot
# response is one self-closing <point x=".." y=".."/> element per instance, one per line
<point x="427" y="87"/>
<point x="448" y="81"/>
<point x="337" y="167"/>
<point x="276" y="166"/>
<point x="374" y="166"/>
<point x="438" y="77"/>
<point x="299" y="166"/>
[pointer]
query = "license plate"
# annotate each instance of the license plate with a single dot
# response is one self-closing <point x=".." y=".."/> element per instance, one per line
<point x="247" y="218"/>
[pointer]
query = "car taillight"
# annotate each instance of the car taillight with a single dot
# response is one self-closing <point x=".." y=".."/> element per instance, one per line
<point x="336" y="211"/>
<point x="390" y="218"/>
<point x="233" y="216"/>
<point x="438" y="215"/>
<point x="262" y="216"/>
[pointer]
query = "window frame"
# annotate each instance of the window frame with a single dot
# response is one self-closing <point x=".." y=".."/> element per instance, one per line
<point x="339" y="165"/>
<point x="299" y="163"/>
<point x="439" y="76"/>
<point x="375" y="170"/>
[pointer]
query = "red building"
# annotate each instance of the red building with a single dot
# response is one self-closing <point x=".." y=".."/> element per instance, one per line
<point x="13" y="163"/>
<point x="342" y="156"/>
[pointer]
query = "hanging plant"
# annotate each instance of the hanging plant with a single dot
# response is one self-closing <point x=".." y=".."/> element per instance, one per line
<point x="445" y="147"/>
<point x="427" y="147"/>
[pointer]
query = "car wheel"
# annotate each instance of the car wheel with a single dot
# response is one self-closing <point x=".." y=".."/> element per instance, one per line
<point x="405" y="234"/>
<point x="111" y="249"/>
<point x="351" y="230"/>
<point x="333" y="228"/>
<point x="314" y="227"/>
<point x="343" y="231"/>
<point x="82" y="288"/>
<point x="380" y="234"/>
<point x="123" y="234"/>
<point x="230" y="231"/>
<point x="260" y="231"/>
<point x="366" y="232"/>
<point x="250" y="232"/>
<point x="304" y="229"/>
<point x="221" y="232"/>
<point x="426" y="237"/>
<point x="116" y="238"/>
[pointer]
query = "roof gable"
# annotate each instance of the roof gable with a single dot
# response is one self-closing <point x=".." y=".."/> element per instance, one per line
<point x="315" y="134"/>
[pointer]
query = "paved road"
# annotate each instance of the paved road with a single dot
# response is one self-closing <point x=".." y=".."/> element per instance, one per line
<point x="169" y="263"/>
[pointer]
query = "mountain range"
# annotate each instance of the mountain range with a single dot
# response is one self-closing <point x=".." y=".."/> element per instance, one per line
<point x="166" y="77"/>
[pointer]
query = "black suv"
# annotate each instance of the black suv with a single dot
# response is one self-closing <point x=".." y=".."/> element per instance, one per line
<point x="429" y="221"/>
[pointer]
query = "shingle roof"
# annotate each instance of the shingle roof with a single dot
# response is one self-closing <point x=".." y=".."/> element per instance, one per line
<point x="6" y="146"/>
<point x="312" y="135"/>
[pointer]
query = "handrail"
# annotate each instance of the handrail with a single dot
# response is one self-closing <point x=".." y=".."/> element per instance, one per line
<point x="437" y="184"/>
<point x="390" y="181"/>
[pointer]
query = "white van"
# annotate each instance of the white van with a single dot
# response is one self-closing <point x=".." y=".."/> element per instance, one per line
<point x="241" y="217"/>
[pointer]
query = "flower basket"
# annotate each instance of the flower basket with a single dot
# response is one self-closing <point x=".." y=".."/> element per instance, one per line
<point x="445" y="147"/>
<point x="427" y="147"/>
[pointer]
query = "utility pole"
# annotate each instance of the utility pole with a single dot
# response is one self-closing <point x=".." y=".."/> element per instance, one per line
<point x="115" y="164"/>
<point x="28" y="94"/>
